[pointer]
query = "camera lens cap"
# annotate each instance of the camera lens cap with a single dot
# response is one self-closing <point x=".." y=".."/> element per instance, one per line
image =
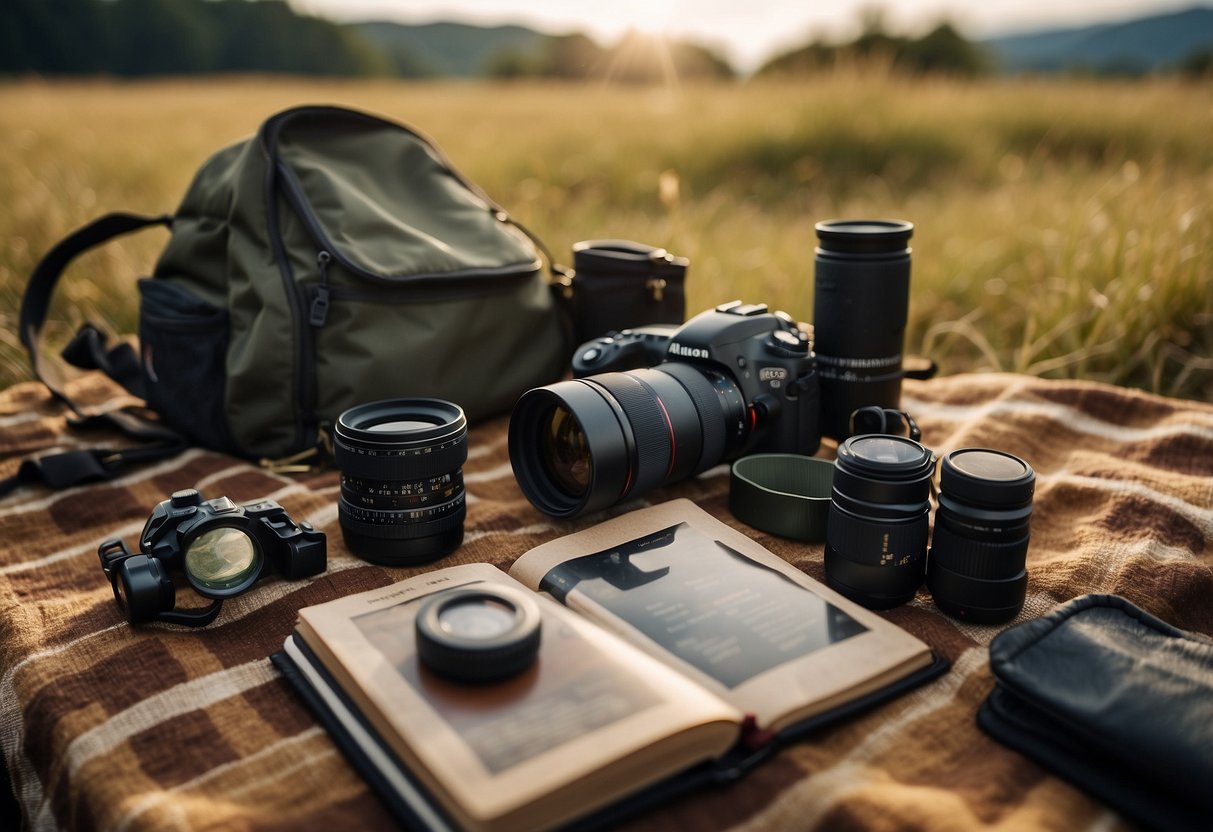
<point x="987" y="477"/>
<point x="864" y="236"/>
<point x="478" y="634"/>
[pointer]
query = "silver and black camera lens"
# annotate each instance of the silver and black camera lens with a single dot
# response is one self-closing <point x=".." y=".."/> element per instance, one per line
<point x="733" y="380"/>
<point x="478" y="634"/>
<point x="977" y="566"/>
<point x="876" y="540"/>
<point x="402" y="497"/>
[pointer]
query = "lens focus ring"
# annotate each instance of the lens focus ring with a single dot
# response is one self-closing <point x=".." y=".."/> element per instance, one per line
<point x="385" y="495"/>
<point x="707" y="405"/>
<point x="650" y="428"/>
<point x="986" y="560"/>
<point x="392" y="526"/>
<point x="409" y="464"/>
<point x="878" y="543"/>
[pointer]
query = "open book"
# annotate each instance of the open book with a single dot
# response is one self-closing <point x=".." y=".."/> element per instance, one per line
<point x="674" y="652"/>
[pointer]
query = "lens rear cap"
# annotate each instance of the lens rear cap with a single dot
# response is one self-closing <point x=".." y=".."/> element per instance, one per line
<point x="864" y="236"/>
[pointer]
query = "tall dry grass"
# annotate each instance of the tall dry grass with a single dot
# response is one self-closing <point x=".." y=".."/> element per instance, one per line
<point x="1063" y="228"/>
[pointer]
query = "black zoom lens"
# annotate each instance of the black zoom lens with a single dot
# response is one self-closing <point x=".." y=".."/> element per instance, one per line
<point x="977" y="567"/>
<point x="876" y="540"/>
<point x="861" y="299"/>
<point x="583" y="445"/>
<point x="402" y="498"/>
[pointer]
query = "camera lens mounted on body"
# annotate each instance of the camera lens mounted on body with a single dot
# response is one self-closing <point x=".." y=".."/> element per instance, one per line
<point x="583" y="445"/>
<point x="402" y="497"/>
<point x="732" y="380"/>
<point x="222" y="561"/>
<point x="977" y="566"/>
<point x="876" y="540"/>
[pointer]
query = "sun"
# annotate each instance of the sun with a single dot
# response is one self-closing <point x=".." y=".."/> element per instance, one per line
<point x="654" y="18"/>
<point x="644" y="49"/>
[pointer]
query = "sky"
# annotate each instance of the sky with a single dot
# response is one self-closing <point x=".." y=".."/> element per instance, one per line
<point x="746" y="31"/>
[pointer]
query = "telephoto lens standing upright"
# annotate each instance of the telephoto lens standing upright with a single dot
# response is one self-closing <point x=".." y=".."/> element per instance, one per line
<point x="977" y="567"/>
<point x="861" y="300"/>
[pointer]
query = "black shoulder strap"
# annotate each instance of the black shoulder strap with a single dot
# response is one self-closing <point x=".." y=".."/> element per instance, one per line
<point x="46" y="276"/>
<point x="88" y="349"/>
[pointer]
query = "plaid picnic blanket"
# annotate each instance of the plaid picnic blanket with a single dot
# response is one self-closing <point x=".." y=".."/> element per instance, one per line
<point x="104" y="725"/>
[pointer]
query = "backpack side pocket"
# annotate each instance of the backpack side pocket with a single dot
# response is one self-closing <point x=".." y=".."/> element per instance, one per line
<point x="183" y="344"/>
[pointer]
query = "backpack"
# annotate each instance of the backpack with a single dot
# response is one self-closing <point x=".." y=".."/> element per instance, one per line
<point x="332" y="259"/>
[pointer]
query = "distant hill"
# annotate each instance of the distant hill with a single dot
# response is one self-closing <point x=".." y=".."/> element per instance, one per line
<point x="1133" y="46"/>
<point x="457" y="49"/>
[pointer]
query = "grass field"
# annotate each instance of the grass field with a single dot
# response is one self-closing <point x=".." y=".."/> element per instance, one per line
<point x="1063" y="228"/>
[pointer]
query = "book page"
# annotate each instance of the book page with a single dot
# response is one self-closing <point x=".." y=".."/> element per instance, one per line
<point x="591" y="720"/>
<point x="715" y="605"/>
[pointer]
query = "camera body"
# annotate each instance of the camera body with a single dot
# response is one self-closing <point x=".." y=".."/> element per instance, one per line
<point x="641" y="346"/>
<point x="655" y="406"/>
<point x="766" y="355"/>
<point x="291" y="550"/>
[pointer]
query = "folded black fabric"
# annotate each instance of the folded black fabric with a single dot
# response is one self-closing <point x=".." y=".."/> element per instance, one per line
<point x="1114" y="700"/>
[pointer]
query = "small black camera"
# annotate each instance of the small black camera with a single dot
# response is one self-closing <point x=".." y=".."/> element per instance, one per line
<point x="734" y="380"/>
<point x="222" y="548"/>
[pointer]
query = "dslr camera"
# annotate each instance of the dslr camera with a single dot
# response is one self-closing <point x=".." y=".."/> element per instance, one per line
<point x="731" y="381"/>
<point x="222" y="548"/>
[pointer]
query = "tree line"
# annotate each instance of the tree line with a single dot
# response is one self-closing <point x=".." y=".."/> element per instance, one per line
<point x="174" y="37"/>
<point x="941" y="50"/>
<point x="161" y="37"/>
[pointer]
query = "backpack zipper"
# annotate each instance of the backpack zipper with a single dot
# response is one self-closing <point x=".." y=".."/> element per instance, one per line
<point x="296" y="299"/>
<point x="320" y="303"/>
<point x="307" y="428"/>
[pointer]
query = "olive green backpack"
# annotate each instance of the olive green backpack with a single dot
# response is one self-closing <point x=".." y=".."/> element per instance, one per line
<point x="332" y="259"/>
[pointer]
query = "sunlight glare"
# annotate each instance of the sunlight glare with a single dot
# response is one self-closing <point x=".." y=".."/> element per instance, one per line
<point x="648" y="17"/>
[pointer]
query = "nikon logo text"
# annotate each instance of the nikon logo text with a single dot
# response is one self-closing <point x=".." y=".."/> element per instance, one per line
<point x="686" y="352"/>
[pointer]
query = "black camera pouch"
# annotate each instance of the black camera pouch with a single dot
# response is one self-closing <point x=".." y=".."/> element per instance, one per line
<point x="1116" y="701"/>
<point x="619" y="284"/>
